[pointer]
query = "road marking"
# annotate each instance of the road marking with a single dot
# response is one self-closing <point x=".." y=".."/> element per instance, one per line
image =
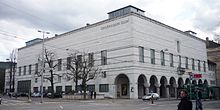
<point x="145" y="108"/>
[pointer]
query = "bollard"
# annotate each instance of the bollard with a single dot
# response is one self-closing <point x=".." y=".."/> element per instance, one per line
<point x="152" y="99"/>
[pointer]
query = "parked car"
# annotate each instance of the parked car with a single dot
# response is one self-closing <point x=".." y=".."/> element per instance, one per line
<point x="36" y="94"/>
<point x="150" y="95"/>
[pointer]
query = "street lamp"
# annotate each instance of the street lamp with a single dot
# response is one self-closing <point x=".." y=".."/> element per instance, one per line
<point x="42" y="66"/>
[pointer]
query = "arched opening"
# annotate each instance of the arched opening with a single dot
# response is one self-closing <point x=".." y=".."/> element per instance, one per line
<point x="122" y="86"/>
<point x="194" y="82"/>
<point x="163" y="90"/>
<point x="180" y="86"/>
<point x="142" y="84"/>
<point x="205" y="82"/>
<point x="153" y="84"/>
<point x="187" y="81"/>
<point x="172" y="87"/>
<point x="200" y="84"/>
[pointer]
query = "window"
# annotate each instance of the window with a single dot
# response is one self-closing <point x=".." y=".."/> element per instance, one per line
<point x="162" y="57"/>
<point x="19" y="71"/>
<point x="59" y="79"/>
<point x="141" y="54"/>
<point x="103" y="88"/>
<point x="59" y="66"/>
<point x="187" y="63"/>
<point x="171" y="59"/>
<point x="178" y="46"/>
<point x="152" y="56"/>
<point x="91" y="87"/>
<point x="79" y="60"/>
<point x="199" y="65"/>
<point x="29" y="69"/>
<point x="36" y="68"/>
<point x="91" y="59"/>
<point x="104" y="57"/>
<point x="68" y="89"/>
<point x="36" y="79"/>
<point x="204" y="66"/>
<point x="193" y="64"/>
<point x="68" y="63"/>
<point x="179" y="65"/>
<point x="24" y="70"/>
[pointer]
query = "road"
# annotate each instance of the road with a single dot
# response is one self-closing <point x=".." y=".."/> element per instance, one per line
<point x="108" y="104"/>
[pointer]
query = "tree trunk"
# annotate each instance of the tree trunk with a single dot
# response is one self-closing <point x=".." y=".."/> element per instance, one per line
<point x="84" y="89"/>
<point x="52" y="84"/>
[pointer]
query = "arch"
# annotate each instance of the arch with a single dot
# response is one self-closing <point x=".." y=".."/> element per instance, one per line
<point x="172" y="89"/>
<point x="187" y="81"/>
<point x="180" y="82"/>
<point x="194" y="82"/>
<point x="163" y="84"/>
<point x="206" y="82"/>
<point x="153" y="84"/>
<point x="142" y="84"/>
<point x="122" y="86"/>
<point x="199" y="81"/>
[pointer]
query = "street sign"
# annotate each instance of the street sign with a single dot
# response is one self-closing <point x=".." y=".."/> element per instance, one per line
<point x="197" y="75"/>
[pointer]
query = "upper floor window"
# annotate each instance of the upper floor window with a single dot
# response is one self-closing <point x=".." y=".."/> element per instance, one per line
<point x="29" y="69"/>
<point x="199" y="65"/>
<point x="152" y="56"/>
<point x="179" y="65"/>
<point x="104" y="57"/>
<point x="19" y="71"/>
<point x="59" y="65"/>
<point x="187" y="63"/>
<point x="171" y="59"/>
<point x="178" y="46"/>
<point x="162" y="56"/>
<point x="91" y="59"/>
<point x="36" y="68"/>
<point x="68" y="63"/>
<point x="141" y="54"/>
<point x="24" y="70"/>
<point x="193" y="64"/>
<point x="204" y="66"/>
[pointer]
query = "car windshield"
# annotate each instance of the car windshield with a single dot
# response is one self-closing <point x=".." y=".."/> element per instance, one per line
<point x="148" y="94"/>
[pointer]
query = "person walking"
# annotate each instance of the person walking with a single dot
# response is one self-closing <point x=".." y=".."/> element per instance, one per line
<point x="199" y="100"/>
<point x="185" y="103"/>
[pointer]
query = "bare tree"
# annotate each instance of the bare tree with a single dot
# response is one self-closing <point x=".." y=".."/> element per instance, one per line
<point x="49" y="66"/>
<point x="82" y="68"/>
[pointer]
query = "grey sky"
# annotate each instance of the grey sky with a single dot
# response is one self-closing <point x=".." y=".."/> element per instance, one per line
<point x="22" y="18"/>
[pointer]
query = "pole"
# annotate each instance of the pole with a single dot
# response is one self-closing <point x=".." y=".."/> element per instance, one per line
<point x="42" y="64"/>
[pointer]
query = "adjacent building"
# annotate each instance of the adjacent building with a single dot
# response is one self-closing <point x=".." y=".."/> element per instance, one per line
<point x="137" y="55"/>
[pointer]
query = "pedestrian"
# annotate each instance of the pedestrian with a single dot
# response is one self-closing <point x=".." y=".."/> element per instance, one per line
<point x="199" y="100"/>
<point x="91" y="94"/>
<point x="185" y="103"/>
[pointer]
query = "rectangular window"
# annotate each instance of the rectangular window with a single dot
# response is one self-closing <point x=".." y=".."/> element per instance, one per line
<point x="59" y="79"/>
<point x="68" y="89"/>
<point x="187" y="63"/>
<point x="103" y="88"/>
<point x="68" y="63"/>
<point x="171" y="59"/>
<point x="104" y="57"/>
<point x="199" y="65"/>
<point x="79" y="60"/>
<point x="141" y="54"/>
<point x="91" y="87"/>
<point x="152" y="56"/>
<point x="24" y="70"/>
<point x="29" y="69"/>
<point x="179" y="65"/>
<point x="36" y="79"/>
<point x="193" y="64"/>
<point x="19" y="71"/>
<point x="178" y="46"/>
<point x="91" y="59"/>
<point x="36" y="68"/>
<point x="59" y="66"/>
<point x="204" y="66"/>
<point x="162" y="58"/>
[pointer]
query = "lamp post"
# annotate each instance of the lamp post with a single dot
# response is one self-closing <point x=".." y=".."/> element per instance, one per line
<point x="42" y="66"/>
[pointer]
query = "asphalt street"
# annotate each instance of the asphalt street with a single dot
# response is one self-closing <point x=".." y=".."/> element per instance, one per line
<point x="108" y="104"/>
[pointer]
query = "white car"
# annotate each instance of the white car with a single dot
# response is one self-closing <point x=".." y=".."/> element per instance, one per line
<point x="150" y="95"/>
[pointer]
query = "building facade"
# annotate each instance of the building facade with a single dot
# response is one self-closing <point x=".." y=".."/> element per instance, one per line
<point x="137" y="55"/>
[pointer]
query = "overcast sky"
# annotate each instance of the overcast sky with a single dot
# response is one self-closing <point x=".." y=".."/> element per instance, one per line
<point x="21" y="19"/>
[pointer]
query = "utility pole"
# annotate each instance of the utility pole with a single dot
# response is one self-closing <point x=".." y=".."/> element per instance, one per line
<point x="42" y="66"/>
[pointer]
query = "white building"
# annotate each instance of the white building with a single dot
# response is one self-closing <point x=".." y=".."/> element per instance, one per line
<point x="139" y="55"/>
